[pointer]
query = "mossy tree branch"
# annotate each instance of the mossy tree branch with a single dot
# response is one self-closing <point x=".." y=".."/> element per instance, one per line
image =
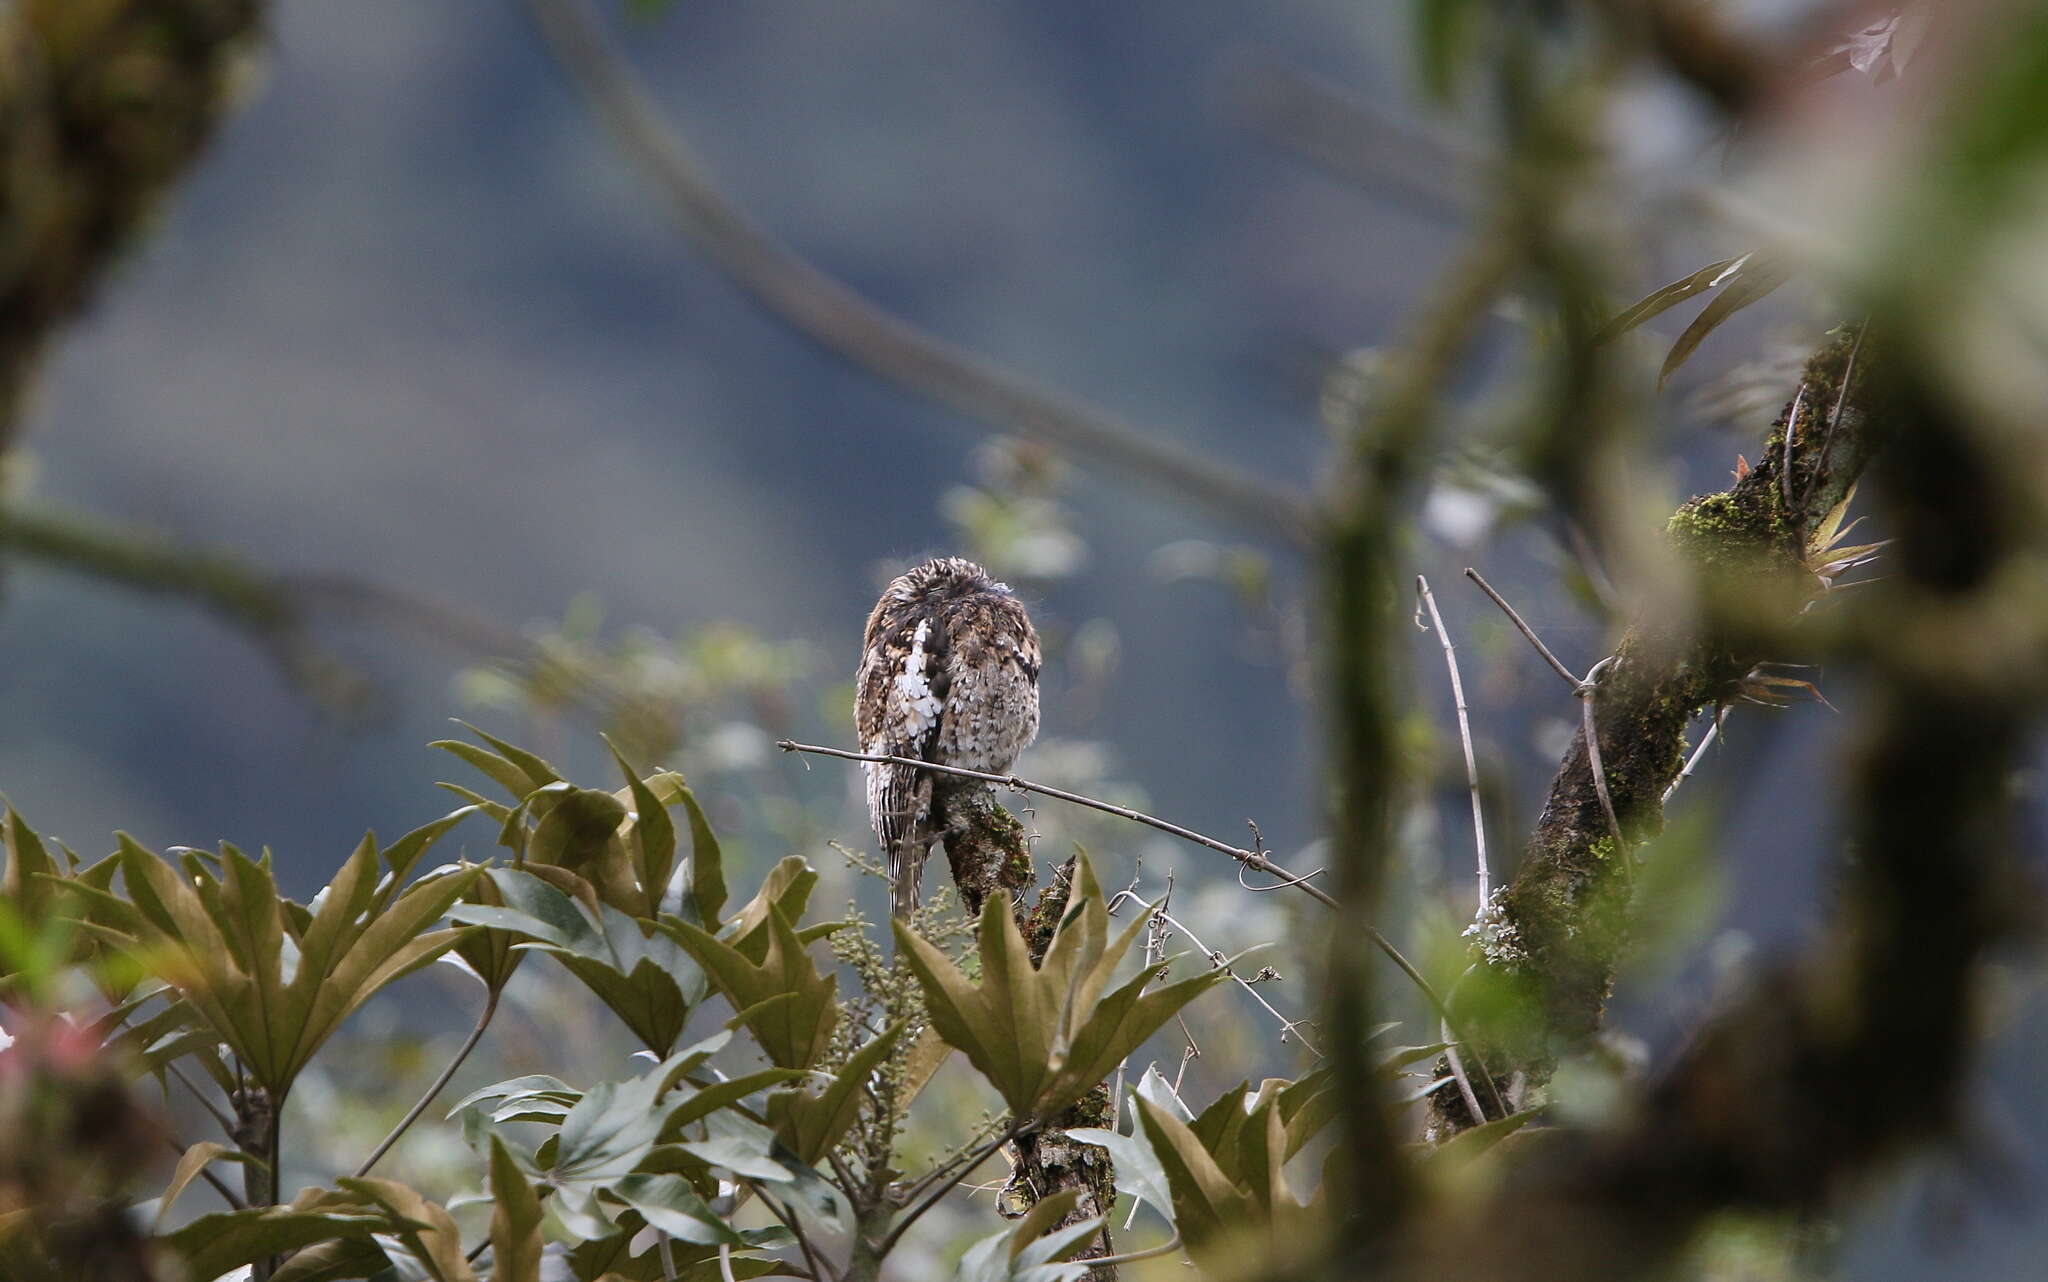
<point x="104" y="104"/>
<point x="1847" y="1056"/>
<point x="990" y="854"/>
<point x="1555" y="933"/>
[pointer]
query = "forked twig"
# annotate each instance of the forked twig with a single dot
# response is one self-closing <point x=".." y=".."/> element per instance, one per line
<point x="1555" y="663"/>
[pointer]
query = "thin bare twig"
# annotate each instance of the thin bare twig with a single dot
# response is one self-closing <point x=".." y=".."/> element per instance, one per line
<point x="1250" y="858"/>
<point x="843" y="321"/>
<point x="1288" y="1027"/>
<point x="227" y="1124"/>
<point x="1706" y="741"/>
<point x="483" y="1021"/>
<point x="1527" y="631"/>
<point x="1585" y="690"/>
<point x="1436" y="621"/>
<point x="932" y="1199"/>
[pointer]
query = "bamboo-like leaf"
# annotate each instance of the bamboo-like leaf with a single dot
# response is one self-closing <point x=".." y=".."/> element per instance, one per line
<point x="1757" y="278"/>
<point x="1670" y="296"/>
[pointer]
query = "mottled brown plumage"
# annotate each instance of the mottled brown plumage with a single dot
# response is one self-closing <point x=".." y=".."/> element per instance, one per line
<point x="949" y="674"/>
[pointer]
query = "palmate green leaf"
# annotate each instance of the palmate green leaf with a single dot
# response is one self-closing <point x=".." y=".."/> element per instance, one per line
<point x="811" y="1124"/>
<point x="578" y="831"/>
<point x="650" y="837"/>
<point x="1138" y="1173"/>
<point x="615" y="1125"/>
<point x="516" y="770"/>
<point x="492" y="955"/>
<point x="794" y="1032"/>
<point x="26" y="881"/>
<point x="1206" y="1203"/>
<point x="1043" y="1037"/>
<point x="741" y="1146"/>
<point x="228" y="945"/>
<point x="515" y="1220"/>
<point x="787" y="887"/>
<point x="704" y="895"/>
<point x="637" y="969"/>
<point x="1026" y="1252"/>
<point x="1234" y="1128"/>
<point x="668" y="1203"/>
<point x="420" y="1236"/>
<point x="215" y="1244"/>
<point x="611" y="1259"/>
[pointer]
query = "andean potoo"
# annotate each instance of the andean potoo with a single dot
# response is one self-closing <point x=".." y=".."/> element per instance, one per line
<point x="949" y="675"/>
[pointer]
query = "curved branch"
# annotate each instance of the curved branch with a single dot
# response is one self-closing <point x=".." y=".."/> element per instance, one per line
<point x="483" y="1021"/>
<point x="841" y="320"/>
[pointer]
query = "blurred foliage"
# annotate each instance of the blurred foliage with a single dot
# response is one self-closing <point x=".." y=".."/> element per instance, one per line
<point x="795" y="1107"/>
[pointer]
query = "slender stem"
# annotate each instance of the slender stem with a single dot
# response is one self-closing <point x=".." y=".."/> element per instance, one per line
<point x="220" y="1115"/>
<point x="668" y="1258"/>
<point x="1249" y="858"/>
<point x="1129" y="1257"/>
<point x="932" y="1199"/>
<point x="724" y="1260"/>
<point x="1288" y="1027"/>
<point x="948" y="1167"/>
<point x="1457" y="1063"/>
<point x="1527" y="631"/>
<point x="1706" y="741"/>
<point x="439" y="1084"/>
<point x="1436" y="622"/>
<point x="818" y="1267"/>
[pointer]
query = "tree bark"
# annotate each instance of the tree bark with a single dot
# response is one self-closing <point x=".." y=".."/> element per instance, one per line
<point x="1552" y="937"/>
<point x="987" y="849"/>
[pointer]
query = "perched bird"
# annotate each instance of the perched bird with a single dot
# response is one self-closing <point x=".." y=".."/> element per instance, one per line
<point x="949" y="675"/>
